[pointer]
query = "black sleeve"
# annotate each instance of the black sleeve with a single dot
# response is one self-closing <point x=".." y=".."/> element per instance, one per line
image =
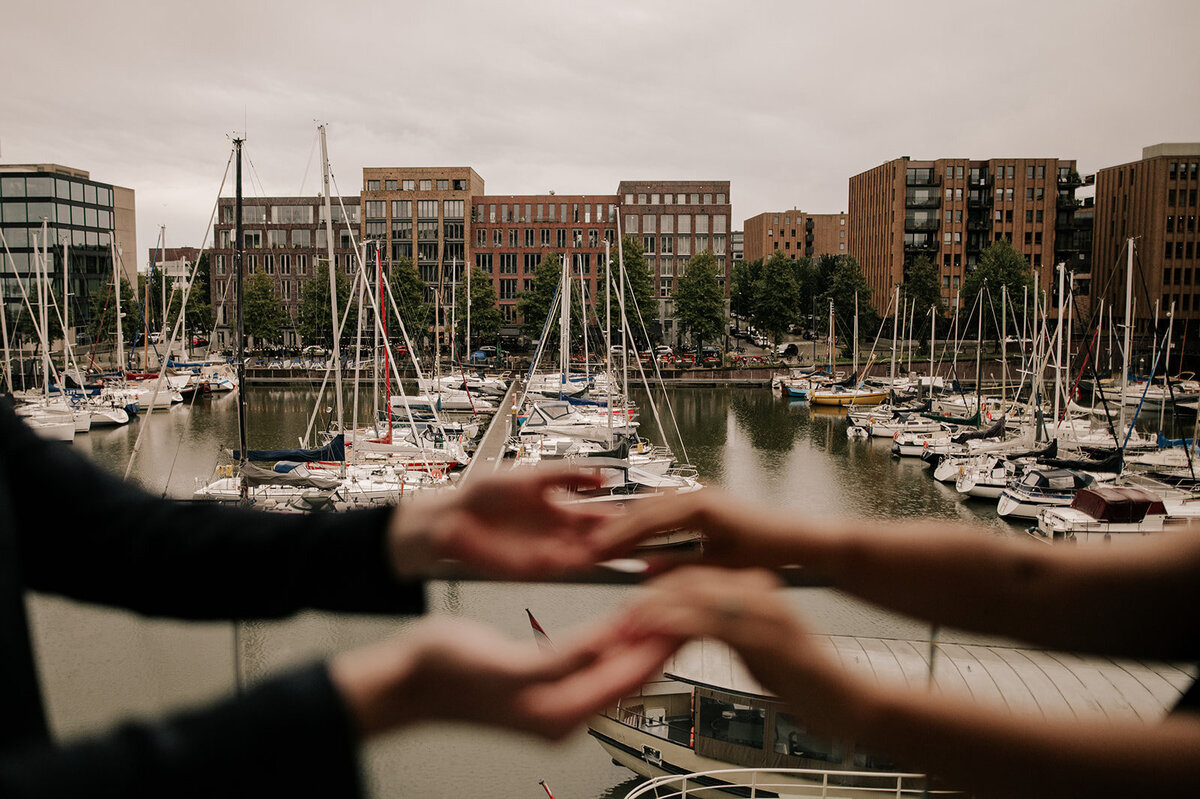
<point x="86" y="534"/>
<point x="288" y="736"/>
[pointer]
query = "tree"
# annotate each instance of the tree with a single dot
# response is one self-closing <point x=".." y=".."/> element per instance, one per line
<point x="776" y="297"/>
<point x="409" y="291"/>
<point x="533" y="304"/>
<point x="314" y="322"/>
<point x="999" y="265"/>
<point x="26" y="326"/>
<point x="639" y="289"/>
<point x="741" y="287"/>
<point x="922" y="288"/>
<point x="699" y="304"/>
<point x="846" y="284"/>
<point x="102" y="314"/>
<point x="264" y="316"/>
<point x="485" y="316"/>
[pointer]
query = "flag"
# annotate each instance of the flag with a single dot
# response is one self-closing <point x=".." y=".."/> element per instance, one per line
<point x="543" y="642"/>
<point x="542" y="783"/>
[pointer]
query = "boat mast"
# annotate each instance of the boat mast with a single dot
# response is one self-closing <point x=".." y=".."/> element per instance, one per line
<point x="468" y="268"/>
<point x="1003" y="343"/>
<point x="1128" y="333"/>
<point x="387" y="368"/>
<point x="895" y="323"/>
<point x="912" y="332"/>
<point x="1058" y="341"/>
<point x="854" y="346"/>
<point x="238" y="259"/>
<point x="1170" y="329"/>
<point x="608" y="405"/>
<point x="621" y="307"/>
<point x="337" y="360"/>
<point x="564" y="319"/>
<point x="932" y="343"/>
<point x="979" y="361"/>
<point x="831" y="338"/>
<point x="44" y="290"/>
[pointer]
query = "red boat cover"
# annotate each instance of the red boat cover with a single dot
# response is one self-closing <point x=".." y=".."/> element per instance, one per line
<point x="1118" y="505"/>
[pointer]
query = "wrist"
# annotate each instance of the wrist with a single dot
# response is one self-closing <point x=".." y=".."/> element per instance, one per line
<point x="412" y="537"/>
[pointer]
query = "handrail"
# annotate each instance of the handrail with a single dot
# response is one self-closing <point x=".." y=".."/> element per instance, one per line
<point x="752" y="780"/>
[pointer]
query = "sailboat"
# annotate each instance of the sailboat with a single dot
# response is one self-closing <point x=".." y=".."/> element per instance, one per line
<point x="858" y="393"/>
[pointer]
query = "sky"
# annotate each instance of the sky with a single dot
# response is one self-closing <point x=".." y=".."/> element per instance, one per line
<point x="786" y="100"/>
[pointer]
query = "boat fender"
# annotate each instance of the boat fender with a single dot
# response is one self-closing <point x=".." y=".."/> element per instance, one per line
<point x="437" y="473"/>
<point x="925" y="444"/>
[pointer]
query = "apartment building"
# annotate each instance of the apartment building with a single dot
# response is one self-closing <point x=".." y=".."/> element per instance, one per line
<point x="951" y="209"/>
<point x="1153" y="201"/>
<point x="676" y="219"/>
<point x="512" y="233"/>
<point x="285" y="238"/>
<point x="796" y="234"/>
<point x="78" y="222"/>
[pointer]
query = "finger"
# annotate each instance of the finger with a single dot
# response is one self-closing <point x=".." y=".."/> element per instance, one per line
<point x="653" y="516"/>
<point x="567" y="479"/>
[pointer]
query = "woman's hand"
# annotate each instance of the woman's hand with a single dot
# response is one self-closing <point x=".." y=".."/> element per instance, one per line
<point x="506" y="526"/>
<point x="456" y="670"/>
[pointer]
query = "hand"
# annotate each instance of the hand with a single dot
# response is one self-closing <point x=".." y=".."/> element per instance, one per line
<point x="736" y="534"/>
<point x="461" y="671"/>
<point x="503" y="526"/>
<point x="744" y="609"/>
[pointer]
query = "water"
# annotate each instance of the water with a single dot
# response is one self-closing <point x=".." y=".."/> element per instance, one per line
<point x="99" y="666"/>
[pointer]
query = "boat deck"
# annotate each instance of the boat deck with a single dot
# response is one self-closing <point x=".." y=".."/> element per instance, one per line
<point x="489" y="455"/>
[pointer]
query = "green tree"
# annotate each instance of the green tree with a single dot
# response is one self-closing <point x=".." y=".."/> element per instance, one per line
<point x="699" y="303"/>
<point x="846" y="283"/>
<point x="102" y="314"/>
<point x="26" y="326"/>
<point x="264" y="316"/>
<point x="922" y="288"/>
<point x="999" y="265"/>
<point x="409" y="292"/>
<point x="485" y="315"/>
<point x="639" y="289"/>
<point x="776" y="297"/>
<point x="741" y="287"/>
<point x="533" y="304"/>
<point x="314" y="322"/>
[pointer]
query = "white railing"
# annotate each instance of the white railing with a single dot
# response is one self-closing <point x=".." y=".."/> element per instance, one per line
<point x="798" y="782"/>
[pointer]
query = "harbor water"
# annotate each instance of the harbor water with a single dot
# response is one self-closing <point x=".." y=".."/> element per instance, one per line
<point x="100" y="666"/>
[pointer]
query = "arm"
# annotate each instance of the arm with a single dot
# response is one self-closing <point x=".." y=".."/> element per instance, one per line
<point x="1140" y="600"/>
<point x="987" y="751"/>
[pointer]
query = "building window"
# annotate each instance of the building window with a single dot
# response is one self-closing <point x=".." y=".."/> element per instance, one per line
<point x="508" y="288"/>
<point x="443" y="184"/>
<point x="372" y="185"/>
<point x="426" y="185"/>
<point x="427" y="209"/>
<point x="454" y="209"/>
<point x="483" y="260"/>
<point x="408" y="185"/>
<point x="531" y="262"/>
<point x="508" y="263"/>
<point x="529" y="234"/>
<point x="648" y="244"/>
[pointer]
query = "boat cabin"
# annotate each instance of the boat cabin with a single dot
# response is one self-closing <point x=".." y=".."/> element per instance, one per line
<point x="1118" y="505"/>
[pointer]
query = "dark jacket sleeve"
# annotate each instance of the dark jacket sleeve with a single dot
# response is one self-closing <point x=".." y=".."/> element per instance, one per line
<point x="288" y="736"/>
<point x="87" y="535"/>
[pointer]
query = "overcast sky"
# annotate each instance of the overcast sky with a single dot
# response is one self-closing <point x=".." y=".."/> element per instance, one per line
<point x="786" y="100"/>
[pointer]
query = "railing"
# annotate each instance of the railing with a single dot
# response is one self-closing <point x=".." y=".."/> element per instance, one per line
<point x="796" y="782"/>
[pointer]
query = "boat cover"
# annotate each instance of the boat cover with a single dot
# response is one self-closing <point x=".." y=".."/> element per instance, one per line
<point x="1121" y="505"/>
<point x="1112" y="463"/>
<point x="995" y="431"/>
<point x="258" y="476"/>
<point x="1057" y="479"/>
<point x="335" y="450"/>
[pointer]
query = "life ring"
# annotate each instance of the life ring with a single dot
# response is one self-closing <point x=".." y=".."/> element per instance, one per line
<point x="437" y="474"/>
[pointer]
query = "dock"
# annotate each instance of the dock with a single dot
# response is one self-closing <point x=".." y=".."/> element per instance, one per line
<point x="489" y="455"/>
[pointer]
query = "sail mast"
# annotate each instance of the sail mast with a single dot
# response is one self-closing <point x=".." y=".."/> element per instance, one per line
<point x="333" y="307"/>
<point x="1128" y="333"/>
<point x="238" y="259"/>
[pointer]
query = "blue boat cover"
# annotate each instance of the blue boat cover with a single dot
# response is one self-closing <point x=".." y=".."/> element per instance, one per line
<point x="335" y="450"/>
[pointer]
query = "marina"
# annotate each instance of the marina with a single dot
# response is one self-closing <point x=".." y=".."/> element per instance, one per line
<point x="748" y="441"/>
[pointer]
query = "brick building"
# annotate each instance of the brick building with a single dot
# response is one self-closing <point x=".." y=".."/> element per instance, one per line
<point x="1153" y="201"/>
<point x="510" y="234"/>
<point x="676" y="219"/>
<point x="950" y="209"/>
<point x="284" y="237"/>
<point x="795" y="233"/>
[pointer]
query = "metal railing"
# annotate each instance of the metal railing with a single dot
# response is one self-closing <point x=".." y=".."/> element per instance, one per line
<point x="800" y="782"/>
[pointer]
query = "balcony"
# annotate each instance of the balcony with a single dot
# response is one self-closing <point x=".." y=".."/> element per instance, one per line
<point x="923" y="177"/>
<point x="1068" y="202"/>
<point x="921" y="224"/>
<point x="1070" y="179"/>
<point x="978" y="199"/>
<point x="979" y="223"/>
<point x="934" y="201"/>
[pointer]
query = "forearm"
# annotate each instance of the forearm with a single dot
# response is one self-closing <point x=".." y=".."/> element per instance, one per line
<point x="288" y="736"/>
<point x="992" y="753"/>
<point x="1139" y="600"/>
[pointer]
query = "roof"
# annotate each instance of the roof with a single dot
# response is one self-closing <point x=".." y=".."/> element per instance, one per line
<point x="1040" y="682"/>
<point x="1121" y="505"/>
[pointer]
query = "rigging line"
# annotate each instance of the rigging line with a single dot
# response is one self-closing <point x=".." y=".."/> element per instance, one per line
<point x="657" y="374"/>
<point x="307" y="166"/>
<point x="137" y="444"/>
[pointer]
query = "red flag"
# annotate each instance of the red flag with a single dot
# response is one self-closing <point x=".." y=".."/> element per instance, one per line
<point x="543" y="642"/>
<point x="542" y="783"/>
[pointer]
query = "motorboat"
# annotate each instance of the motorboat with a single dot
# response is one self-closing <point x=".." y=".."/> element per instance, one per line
<point x="1106" y="514"/>
<point x="706" y="717"/>
<point x="1041" y="488"/>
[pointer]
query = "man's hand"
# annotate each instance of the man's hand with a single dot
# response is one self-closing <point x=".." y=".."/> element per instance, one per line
<point x="504" y="526"/>
<point x="455" y="670"/>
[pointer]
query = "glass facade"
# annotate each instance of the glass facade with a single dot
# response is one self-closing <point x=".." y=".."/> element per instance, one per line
<point x="72" y="221"/>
